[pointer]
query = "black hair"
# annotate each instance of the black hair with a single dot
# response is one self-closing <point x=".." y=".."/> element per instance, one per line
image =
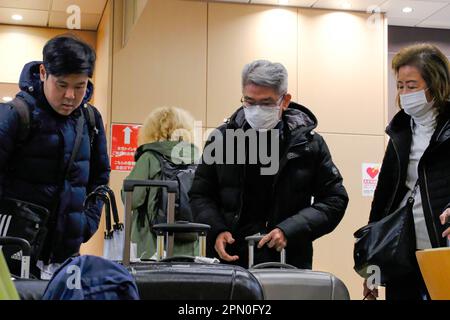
<point x="66" y="54"/>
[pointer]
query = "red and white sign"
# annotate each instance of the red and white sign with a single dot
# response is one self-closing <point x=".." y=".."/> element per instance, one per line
<point x="123" y="146"/>
<point x="370" y="173"/>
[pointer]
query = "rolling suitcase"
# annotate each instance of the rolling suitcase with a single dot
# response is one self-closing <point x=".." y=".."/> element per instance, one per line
<point x="183" y="278"/>
<point x="281" y="281"/>
<point x="28" y="289"/>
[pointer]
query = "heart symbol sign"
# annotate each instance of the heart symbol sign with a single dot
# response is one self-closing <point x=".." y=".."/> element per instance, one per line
<point x="372" y="172"/>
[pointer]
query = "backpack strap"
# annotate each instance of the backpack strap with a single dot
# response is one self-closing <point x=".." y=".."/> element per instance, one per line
<point x="90" y="117"/>
<point x="77" y="143"/>
<point x="142" y="212"/>
<point x="25" y="118"/>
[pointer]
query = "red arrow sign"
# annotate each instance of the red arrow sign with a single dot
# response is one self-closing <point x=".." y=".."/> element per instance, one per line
<point x="123" y="146"/>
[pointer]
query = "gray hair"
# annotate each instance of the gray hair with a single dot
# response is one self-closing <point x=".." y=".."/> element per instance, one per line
<point x="267" y="74"/>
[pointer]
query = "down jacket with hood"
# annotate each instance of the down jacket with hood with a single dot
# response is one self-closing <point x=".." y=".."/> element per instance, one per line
<point x="306" y="171"/>
<point x="35" y="170"/>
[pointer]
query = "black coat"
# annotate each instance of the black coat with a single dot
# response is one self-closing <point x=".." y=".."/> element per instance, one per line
<point x="306" y="170"/>
<point x="433" y="169"/>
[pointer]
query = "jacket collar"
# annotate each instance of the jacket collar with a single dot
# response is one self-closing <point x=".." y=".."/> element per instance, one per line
<point x="443" y="128"/>
<point x="401" y="124"/>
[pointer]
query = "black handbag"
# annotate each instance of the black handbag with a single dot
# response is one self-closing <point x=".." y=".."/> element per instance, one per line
<point x="24" y="220"/>
<point x="388" y="244"/>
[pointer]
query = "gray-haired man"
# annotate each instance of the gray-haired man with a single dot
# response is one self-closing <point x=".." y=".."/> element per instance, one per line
<point x="238" y="198"/>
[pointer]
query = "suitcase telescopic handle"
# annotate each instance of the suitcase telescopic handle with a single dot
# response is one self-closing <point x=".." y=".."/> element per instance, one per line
<point x="171" y="186"/>
<point x="180" y="227"/>
<point x="254" y="239"/>
<point x="128" y="187"/>
<point x="26" y="253"/>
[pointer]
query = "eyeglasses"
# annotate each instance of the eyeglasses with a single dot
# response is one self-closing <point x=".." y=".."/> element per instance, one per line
<point x="247" y="102"/>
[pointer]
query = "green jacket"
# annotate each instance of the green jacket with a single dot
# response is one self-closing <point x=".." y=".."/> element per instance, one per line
<point x="148" y="168"/>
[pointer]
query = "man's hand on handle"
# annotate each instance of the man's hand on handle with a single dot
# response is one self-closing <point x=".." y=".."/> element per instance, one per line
<point x="275" y="239"/>
<point x="222" y="240"/>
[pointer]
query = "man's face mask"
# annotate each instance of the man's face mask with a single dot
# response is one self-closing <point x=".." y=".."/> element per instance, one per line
<point x="263" y="117"/>
<point x="415" y="104"/>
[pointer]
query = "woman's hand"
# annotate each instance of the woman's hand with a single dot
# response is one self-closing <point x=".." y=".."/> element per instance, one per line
<point x="445" y="218"/>
<point x="369" y="294"/>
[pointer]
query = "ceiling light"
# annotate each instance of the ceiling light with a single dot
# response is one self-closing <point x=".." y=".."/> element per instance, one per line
<point x="7" y="99"/>
<point x="17" y="17"/>
<point x="407" y="10"/>
<point x="346" y="5"/>
<point x="284" y="2"/>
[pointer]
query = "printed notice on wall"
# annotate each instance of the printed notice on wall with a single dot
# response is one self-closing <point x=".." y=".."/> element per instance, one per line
<point x="123" y="146"/>
<point x="370" y="173"/>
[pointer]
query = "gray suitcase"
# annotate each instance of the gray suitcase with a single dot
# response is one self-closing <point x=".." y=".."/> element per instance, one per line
<point x="281" y="281"/>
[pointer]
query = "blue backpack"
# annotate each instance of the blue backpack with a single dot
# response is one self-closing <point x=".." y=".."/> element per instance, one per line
<point x="91" y="278"/>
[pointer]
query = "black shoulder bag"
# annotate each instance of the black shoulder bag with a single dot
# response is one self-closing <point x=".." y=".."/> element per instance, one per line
<point x="389" y="244"/>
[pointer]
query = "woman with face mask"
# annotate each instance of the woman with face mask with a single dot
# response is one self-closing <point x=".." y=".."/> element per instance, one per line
<point x="417" y="159"/>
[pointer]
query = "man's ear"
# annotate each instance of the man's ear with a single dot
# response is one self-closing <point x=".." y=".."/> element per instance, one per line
<point x="286" y="101"/>
<point x="42" y="72"/>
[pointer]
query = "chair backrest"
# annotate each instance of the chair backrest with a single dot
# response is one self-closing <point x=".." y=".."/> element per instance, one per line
<point x="435" y="268"/>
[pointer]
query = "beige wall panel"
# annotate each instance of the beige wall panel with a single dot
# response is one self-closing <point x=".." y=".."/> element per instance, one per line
<point x="163" y="62"/>
<point x="25" y="44"/>
<point x="103" y="103"/>
<point x="8" y="90"/>
<point x="334" y="252"/>
<point x="341" y="70"/>
<point x="239" y="34"/>
<point x="103" y="67"/>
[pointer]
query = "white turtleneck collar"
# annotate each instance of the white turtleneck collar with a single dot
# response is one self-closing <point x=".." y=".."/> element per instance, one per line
<point x="428" y="119"/>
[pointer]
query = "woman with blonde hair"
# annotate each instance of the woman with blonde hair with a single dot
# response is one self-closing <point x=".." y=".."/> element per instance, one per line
<point x="415" y="173"/>
<point x="166" y="136"/>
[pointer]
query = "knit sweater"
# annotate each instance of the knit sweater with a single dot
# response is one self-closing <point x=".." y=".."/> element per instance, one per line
<point x="422" y="130"/>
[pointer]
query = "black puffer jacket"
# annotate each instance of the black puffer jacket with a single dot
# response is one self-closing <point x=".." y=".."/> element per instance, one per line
<point x="434" y="174"/>
<point x="306" y="170"/>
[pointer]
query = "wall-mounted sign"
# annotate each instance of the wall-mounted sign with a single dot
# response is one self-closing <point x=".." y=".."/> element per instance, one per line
<point x="123" y="146"/>
<point x="370" y="173"/>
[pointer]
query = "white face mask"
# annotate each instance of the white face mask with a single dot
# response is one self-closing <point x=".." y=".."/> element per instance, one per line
<point x="262" y="117"/>
<point x="415" y="104"/>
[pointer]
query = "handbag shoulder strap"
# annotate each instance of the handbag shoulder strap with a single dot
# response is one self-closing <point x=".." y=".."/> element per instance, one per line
<point x="413" y="193"/>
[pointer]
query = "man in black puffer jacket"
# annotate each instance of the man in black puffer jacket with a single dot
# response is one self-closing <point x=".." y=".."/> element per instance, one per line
<point x="294" y="199"/>
<point x="56" y="92"/>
